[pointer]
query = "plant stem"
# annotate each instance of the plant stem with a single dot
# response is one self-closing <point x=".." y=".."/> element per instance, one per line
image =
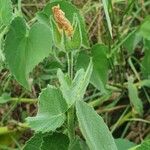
<point x="19" y="6"/>
<point x="70" y="113"/>
<point x="68" y="63"/>
<point x="71" y="132"/>
<point x="99" y="101"/>
<point x="24" y="100"/>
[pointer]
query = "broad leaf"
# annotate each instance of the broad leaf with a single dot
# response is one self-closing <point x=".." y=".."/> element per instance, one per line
<point x="69" y="11"/>
<point x="5" y="12"/>
<point x="100" y="67"/>
<point x="124" y="144"/>
<point x="34" y="143"/>
<point x="24" y="48"/>
<point x="51" y="111"/>
<point x="56" y="141"/>
<point x="133" y="96"/>
<point x="75" y="90"/>
<point x="93" y="128"/>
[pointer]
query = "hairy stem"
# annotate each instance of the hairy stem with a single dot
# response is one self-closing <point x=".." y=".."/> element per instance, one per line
<point x="71" y="131"/>
<point x="70" y="113"/>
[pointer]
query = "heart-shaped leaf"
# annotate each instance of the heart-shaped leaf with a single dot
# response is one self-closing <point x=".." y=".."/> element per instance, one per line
<point x="25" y="48"/>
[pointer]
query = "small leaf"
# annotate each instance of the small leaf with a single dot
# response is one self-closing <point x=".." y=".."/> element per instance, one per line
<point x="124" y="144"/>
<point x="93" y="128"/>
<point x="146" y="60"/>
<point x="75" y="42"/>
<point x="144" y="146"/>
<point x="75" y="90"/>
<point x="6" y="10"/>
<point x="58" y="37"/>
<point x="99" y="75"/>
<point x="4" y="98"/>
<point x="100" y="67"/>
<point x="145" y="28"/>
<point x="132" y="41"/>
<point x="133" y="96"/>
<point x="24" y="48"/>
<point x="80" y="63"/>
<point x="145" y="83"/>
<point x="34" y="142"/>
<point x="51" y="111"/>
<point x="56" y="141"/>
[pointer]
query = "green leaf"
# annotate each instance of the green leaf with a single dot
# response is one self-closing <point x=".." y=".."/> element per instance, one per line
<point x="6" y="10"/>
<point x="80" y="63"/>
<point x="75" y="90"/>
<point x="51" y="109"/>
<point x="144" y="146"/>
<point x="100" y="67"/>
<point x="34" y="143"/>
<point x="146" y="60"/>
<point x="4" y="98"/>
<point x="145" y="83"/>
<point x="57" y="141"/>
<point x="133" y="96"/>
<point x="99" y="76"/>
<point x="75" y="42"/>
<point x="132" y="41"/>
<point x="93" y="128"/>
<point x="58" y="38"/>
<point x="24" y="48"/>
<point x="124" y="144"/>
<point x="69" y="10"/>
<point x="145" y="28"/>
